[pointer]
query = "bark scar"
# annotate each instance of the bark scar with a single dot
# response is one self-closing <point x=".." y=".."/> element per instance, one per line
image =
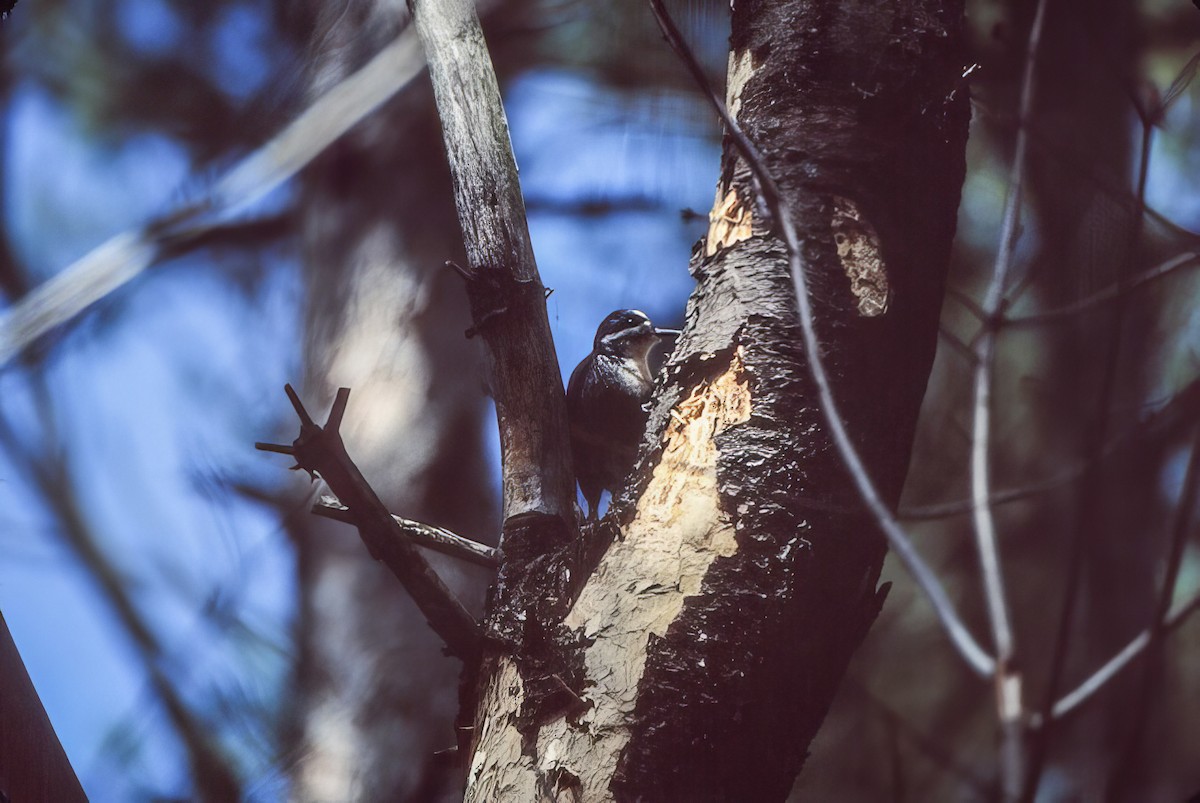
<point x="729" y="222"/>
<point x="861" y="256"/>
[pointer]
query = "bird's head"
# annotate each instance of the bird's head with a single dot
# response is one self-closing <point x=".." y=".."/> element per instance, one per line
<point x="627" y="333"/>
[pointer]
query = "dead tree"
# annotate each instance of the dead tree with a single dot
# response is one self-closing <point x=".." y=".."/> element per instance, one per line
<point x="688" y="646"/>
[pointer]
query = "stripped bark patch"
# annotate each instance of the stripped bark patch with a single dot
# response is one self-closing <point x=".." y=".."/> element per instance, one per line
<point x="729" y="222"/>
<point x="740" y="69"/>
<point x="861" y="257"/>
<point x="499" y="770"/>
<point x="678" y="530"/>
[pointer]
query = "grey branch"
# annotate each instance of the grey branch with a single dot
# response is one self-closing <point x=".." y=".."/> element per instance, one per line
<point x="508" y="302"/>
<point x="421" y="534"/>
<point x="320" y="451"/>
<point x="1010" y="705"/>
<point x="1098" y="679"/>
<point x="1112" y="293"/>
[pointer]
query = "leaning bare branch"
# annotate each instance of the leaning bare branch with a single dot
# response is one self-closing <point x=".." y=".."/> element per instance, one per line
<point x="975" y="656"/>
<point x="1180" y="527"/>
<point x="1071" y="701"/>
<point x="125" y="256"/>
<point x="426" y="535"/>
<point x="320" y="451"/>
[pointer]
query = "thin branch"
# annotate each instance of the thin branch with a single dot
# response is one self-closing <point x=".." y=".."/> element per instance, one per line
<point x="1111" y="293"/>
<point x="255" y="232"/>
<point x="1085" y="500"/>
<point x="1071" y="701"/>
<point x="929" y="746"/>
<point x="926" y="580"/>
<point x="320" y="451"/>
<point x="127" y="255"/>
<point x="1182" y="523"/>
<point x="958" y="507"/>
<point x="1181" y="409"/>
<point x="1009" y="694"/>
<point x="956" y="345"/>
<point x="1063" y="156"/>
<point x="426" y="535"/>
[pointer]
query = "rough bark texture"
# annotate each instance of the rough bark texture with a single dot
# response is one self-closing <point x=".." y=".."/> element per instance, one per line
<point x="375" y="693"/>
<point x="700" y="654"/>
<point x="33" y="765"/>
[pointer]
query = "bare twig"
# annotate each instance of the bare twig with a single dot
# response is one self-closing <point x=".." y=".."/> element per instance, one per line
<point x="1009" y="694"/>
<point x="929" y="747"/>
<point x="1085" y="507"/>
<point x="426" y="535"/>
<point x="958" y="507"/>
<point x="1063" y="156"/>
<point x="1071" y="701"/>
<point x="1182" y="523"/>
<point x="319" y="450"/>
<point x="126" y="255"/>
<point x="1179" y="411"/>
<point x="926" y="580"/>
<point x="1111" y="293"/>
<point x="956" y="345"/>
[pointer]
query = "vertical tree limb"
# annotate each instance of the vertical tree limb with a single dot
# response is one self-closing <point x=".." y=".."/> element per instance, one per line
<point x="1010" y="705"/>
<point x="506" y="293"/>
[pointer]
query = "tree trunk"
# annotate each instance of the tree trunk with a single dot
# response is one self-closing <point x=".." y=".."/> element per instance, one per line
<point x="375" y="693"/>
<point x="712" y="614"/>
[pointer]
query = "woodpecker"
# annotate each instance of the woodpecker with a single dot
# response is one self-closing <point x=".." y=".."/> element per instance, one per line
<point x="607" y="402"/>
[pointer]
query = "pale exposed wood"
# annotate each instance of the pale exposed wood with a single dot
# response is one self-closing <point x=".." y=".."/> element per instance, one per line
<point x="659" y="559"/>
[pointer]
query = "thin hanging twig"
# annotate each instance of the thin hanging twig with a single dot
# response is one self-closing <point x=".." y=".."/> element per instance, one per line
<point x="1097" y="435"/>
<point x="975" y="656"/>
<point x="1181" y="409"/>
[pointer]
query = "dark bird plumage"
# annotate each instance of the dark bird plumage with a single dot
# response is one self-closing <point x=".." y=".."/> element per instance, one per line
<point x="606" y="403"/>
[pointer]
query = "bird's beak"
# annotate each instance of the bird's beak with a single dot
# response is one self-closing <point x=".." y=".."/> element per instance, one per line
<point x="667" y="332"/>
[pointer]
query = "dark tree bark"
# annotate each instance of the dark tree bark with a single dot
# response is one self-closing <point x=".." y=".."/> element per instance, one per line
<point x="712" y="615"/>
<point x="33" y="765"/>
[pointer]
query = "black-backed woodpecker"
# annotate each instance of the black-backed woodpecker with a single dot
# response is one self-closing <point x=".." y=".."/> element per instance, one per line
<point x="606" y="402"/>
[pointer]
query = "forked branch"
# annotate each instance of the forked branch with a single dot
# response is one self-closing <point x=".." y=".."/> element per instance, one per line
<point x="320" y="451"/>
